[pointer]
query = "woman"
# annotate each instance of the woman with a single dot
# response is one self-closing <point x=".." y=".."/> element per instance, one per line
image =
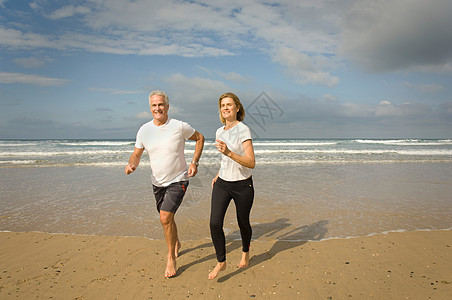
<point x="233" y="181"/>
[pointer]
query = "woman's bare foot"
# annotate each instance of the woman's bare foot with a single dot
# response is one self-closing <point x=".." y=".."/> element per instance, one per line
<point x="221" y="266"/>
<point x="245" y="261"/>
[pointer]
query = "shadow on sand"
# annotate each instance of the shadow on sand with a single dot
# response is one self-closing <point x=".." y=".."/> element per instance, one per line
<point x="275" y="231"/>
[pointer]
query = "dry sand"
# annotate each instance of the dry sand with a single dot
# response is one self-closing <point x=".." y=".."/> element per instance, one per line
<point x="408" y="265"/>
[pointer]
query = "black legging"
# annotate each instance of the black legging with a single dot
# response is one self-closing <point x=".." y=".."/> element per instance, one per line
<point x="243" y="194"/>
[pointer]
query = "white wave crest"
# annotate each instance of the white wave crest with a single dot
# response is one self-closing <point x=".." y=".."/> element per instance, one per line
<point x="97" y="143"/>
<point x="60" y="153"/>
<point x="407" y="142"/>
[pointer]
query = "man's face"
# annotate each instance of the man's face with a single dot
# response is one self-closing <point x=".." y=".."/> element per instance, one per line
<point x="159" y="108"/>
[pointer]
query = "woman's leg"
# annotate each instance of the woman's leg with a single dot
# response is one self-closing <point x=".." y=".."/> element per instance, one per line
<point x="219" y="205"/>
<point x="243" y="198"/>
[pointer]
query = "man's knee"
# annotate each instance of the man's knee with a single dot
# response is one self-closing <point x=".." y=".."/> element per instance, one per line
<point x="166" y="218"/>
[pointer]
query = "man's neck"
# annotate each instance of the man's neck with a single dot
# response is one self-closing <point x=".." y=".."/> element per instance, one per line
<point x="160" y="122"/>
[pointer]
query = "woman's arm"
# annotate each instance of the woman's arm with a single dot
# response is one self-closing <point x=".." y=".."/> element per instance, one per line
<point x="248" y="160"/>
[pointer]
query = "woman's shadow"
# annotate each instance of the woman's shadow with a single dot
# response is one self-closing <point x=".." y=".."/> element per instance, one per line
<point x="284" y="241"/>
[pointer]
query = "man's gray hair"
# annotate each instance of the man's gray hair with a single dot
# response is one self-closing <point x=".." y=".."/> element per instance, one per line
<point x="163" y="94"/>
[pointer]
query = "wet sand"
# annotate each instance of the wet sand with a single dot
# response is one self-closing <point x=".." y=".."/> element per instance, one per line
<point x="398" y="265"/>
<point x="299" y="202"/>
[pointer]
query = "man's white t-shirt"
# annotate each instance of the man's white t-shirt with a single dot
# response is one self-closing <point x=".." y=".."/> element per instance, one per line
<point x="165" y="145"/>
<point x="234" y="138"/>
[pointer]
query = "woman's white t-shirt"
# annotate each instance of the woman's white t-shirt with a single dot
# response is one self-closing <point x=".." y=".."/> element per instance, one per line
<point x="165" y="145"/>
<point x="234" y="138"/>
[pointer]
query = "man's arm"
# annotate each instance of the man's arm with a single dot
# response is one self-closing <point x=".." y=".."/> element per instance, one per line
<point x="199" y="138"/>
<point x="134" y="160"/>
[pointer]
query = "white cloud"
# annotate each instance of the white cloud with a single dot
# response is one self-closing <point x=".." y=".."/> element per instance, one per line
<point x="129" y="43"/>
<point x="144" y="115"/>
<point x="302" y="36"/>
<point x="356" y="110"/>
<point x="234" y="77"/>
<point x="303" y="68"/>
<point x="68" y="11"/>
<point x="426" y="88"/>
<point x="329" y="98"/>
<point x="102" y="109"/>
<point x="192" y="29"/>
<point x="175" y="111"/>
<point x="295" y="24"/>
<point x="16" y="39"/>
<point x="30" y="62"/>
<point x="405" y="110"/>
<point x="6" y="77"/>
<point x="157" y="15"/>
<point x="115" y="91"/>
<point x="195" y="89"/>
<point x="381" y="35"/>
<point x="327" y="111"/>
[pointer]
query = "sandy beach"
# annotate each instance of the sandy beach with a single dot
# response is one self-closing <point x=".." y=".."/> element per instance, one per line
<point x="398" y="265"/>
<point x="319" y="229"/>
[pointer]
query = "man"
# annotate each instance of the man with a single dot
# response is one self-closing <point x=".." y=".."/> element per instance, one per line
<point x="164" y="140"/>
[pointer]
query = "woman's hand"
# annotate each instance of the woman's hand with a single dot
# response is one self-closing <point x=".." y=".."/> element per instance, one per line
<point x="214" y="180"/>
<point x="222" y="147"/>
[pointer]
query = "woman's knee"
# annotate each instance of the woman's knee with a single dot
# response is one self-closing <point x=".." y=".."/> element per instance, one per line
<point x="216" y="225"/>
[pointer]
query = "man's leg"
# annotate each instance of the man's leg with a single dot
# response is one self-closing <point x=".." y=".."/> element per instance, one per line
<point x="168" y="201"/>
<point x="172" y="241"/>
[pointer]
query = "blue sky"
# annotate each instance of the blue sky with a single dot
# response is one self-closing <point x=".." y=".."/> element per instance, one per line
<point x="344" y="69"/>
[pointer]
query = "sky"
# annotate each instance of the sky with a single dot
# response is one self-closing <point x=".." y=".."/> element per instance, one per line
<point x="302" y="68"/>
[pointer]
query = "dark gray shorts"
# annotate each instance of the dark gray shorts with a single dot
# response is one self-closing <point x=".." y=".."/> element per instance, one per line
<point x="169" y="198"/>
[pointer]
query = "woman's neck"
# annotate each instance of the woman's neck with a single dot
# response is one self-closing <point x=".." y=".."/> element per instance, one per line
<point x="230" y="124"/>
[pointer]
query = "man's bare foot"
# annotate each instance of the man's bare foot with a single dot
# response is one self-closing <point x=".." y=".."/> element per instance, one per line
<point x="221" y="266"/>
<point x="245" y="261"/>
<point x="177" y="248"/>
<point x="170" y="268"/>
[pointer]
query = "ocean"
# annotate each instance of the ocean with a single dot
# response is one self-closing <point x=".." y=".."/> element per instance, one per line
<point x="306" y="189"/>
<point x="110" y="153"/>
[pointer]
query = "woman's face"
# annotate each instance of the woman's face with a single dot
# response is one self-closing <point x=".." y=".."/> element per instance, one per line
<point x="228" y="109"/>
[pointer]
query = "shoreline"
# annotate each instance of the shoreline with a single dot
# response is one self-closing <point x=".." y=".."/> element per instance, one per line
<point x="215" y="164"/>
<point x="235" y="238"/>
<point x="395" y="265"/>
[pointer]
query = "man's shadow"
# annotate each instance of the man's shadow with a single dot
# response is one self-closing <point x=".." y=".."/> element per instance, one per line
<point x="284" y="241"/>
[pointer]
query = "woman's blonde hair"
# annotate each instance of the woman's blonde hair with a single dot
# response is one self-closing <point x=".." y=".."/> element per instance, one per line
<point x="241" y="110"/>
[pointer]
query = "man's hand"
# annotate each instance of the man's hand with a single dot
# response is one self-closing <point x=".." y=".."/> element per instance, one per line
<point x="192" y="170"/>
<point x="130" y="168"/>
